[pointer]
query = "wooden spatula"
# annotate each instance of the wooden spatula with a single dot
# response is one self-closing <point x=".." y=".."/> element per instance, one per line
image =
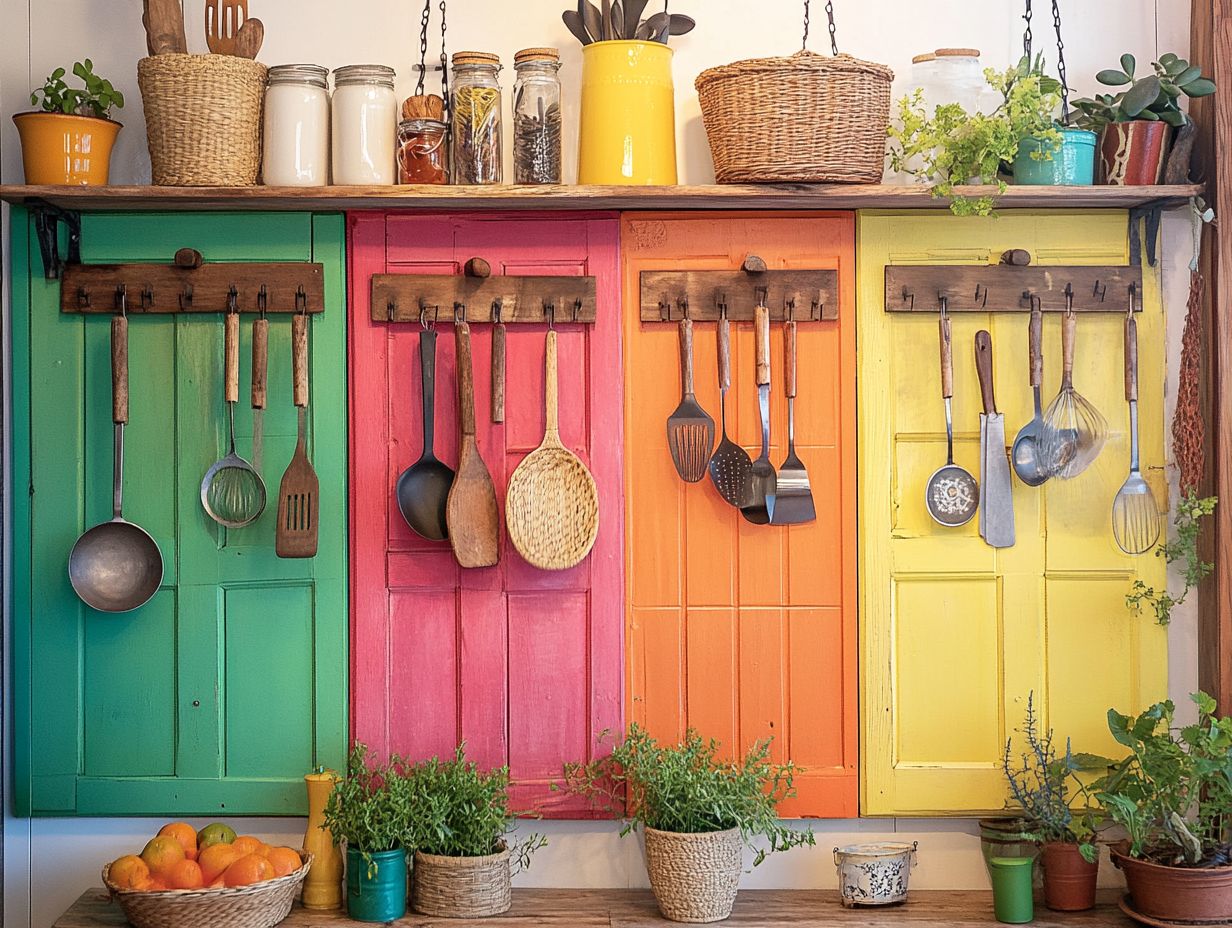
<point x="223" y="19"/>
<point x="471" y="513"/>
<point x="298" y="496"/>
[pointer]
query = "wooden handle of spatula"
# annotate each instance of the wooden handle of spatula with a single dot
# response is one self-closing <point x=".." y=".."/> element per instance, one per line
<point x="260" y="363"/>
<point x="1035" y="333"/>
<point x="119" y="369"/>
<point x="789" y="358"/>
<point x="983" y="367"/>
<point x="299" y="358"/>
<point x="686" y="355"/>
<point x="232" y="347"/>
<point x="947" y="357"/>
<point x="761" y="335"/>
<point x="724" y="333"/>
<point x="466" y="379"/>
<point x="1131" y="358"/>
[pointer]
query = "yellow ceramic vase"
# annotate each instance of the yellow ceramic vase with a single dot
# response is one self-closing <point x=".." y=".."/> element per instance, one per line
<point x="62" y="149"/>
<point x="323" y="885"/>
<point x="627" y="132"/>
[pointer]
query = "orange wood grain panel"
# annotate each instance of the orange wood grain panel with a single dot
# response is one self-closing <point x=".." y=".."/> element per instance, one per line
<point x="744" y="631"/>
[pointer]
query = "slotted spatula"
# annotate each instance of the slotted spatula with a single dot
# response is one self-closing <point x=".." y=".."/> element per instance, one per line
<point x="690" y="431"/>
<point x="730" y="464"/>
<point x="223" y="21"/>
<point x="298" y="496"/>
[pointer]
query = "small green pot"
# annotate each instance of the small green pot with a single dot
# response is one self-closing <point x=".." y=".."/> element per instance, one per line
<point x="1071" y="165"/>
<point x="1012" y="897"/>
<point x="376" y="894"/>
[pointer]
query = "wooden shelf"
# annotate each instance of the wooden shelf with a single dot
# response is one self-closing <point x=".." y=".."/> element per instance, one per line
<point x="454" y="199"/>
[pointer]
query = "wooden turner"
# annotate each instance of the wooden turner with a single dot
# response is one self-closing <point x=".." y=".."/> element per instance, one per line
<point x="223" y="20"/>
<point x="471" y="513"/>
<point x="299" y="494"/>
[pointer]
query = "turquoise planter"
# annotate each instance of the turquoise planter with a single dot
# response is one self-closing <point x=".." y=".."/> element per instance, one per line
<point x="376" y="894"/>
<point x="1072" y="165"/>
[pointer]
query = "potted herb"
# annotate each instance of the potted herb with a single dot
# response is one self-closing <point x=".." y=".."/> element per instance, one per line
<point x="1047" y="787"/>
<point x="69" y="140"/>
<point x="1135" y="123"/>
<point x="368" y="811"/>
<point x="1173" y="796"/>
<point x="697" y="813"/>
<point x="459" y="823"/>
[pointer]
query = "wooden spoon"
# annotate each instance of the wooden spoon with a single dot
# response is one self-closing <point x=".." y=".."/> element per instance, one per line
<point x="471" y="513"/>
<point x="249" y="39"/>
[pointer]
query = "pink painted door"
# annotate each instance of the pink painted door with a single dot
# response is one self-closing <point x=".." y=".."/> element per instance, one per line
<point x="523" y="665"/>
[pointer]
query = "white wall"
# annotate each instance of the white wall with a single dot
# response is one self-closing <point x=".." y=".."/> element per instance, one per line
<point x="49" y="862"/>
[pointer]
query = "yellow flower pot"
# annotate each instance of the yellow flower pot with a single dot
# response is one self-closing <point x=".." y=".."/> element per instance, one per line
<point x="57" y="148"/>
<point x="627" y="131"/>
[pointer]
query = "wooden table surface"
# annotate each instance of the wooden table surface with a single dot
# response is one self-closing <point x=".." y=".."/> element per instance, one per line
<point x="616" y="908"/>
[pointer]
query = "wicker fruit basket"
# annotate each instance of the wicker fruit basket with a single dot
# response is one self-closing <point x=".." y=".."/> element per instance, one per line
<point x="261" y="905"/>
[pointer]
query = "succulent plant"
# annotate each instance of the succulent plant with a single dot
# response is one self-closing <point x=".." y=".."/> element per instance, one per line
<point x="1153" y="97"/>
<point x="96" y="99"/>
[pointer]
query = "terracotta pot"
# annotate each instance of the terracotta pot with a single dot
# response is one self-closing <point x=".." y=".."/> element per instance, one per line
<point x="57" y="148"/>
<point x="1069" y="881"/>
<point x="1176" y="893"/>
<point x="1134" y="153"/>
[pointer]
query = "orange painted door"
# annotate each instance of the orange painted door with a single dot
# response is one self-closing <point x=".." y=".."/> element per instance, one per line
<point x="741" y="631"/>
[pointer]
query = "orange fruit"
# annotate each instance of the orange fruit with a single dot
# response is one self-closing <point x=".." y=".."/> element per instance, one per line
<point x="247" y="844"/>
<point x="219" y="883"/>
<point x="185" y="834"/>
<point x="128" y="872"/>
<point x="251" y="868"/>
<point x="162" y="853"/>
<point x="215" y="859"/>
<point x="284" y="860"/>
<point x="185" y="875"/>
<point x="154" y="885"/>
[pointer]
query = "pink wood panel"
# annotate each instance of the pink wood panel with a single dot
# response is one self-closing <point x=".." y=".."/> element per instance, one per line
<point x="524" y="665"/>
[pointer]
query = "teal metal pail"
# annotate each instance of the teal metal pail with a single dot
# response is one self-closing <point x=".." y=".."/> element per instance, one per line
<point x="376" y="892"/>
<point x="1071" y="165"/>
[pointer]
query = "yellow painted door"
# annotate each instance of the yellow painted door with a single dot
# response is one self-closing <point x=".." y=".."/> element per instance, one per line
<point x="955" y="634"/>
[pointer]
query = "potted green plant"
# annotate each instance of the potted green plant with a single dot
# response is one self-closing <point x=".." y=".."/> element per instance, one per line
<point x="697" y="813"/>
<point x="69" y="140"/>
<point x="368" y="811"/>
<point x="1135" y="123"/>
<point x="459" y="826"/>
<point x="1059" y="811"/>
<point x="1173" y="796"/>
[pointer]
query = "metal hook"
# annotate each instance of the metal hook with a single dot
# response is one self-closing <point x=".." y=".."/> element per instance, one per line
<point x="83" y="298"/>
<point x="423" y="316"/>
<point x="186" y="298"/>
<point x="147" y="297"/>
<point x="762" y="294"/>
<point x="1100" y="290"/>
<point x="789" y="308"/>
<point x="665" y="309"/>
<point x="391" y="310"/>
<point x="301" y="301"/>
<point x="233" y="297"/>
<point x="817" y="309"/>
<point x="981" y="294"/>
<point x="121" y="299"/>
<point x="683" y="303"/>
<point x="549" y="312"/>
<point x="577" y="308"/>
<point x="944" y="302"/>
<point x="1133" y="299"/>
<point x="720" y="304"/>
<point x="459" y="312"/>
<point x="1034" y="299"/>
<point x="497" y="306"/>
<point x="263" y="300"/>
<point x="1069" y="299"/>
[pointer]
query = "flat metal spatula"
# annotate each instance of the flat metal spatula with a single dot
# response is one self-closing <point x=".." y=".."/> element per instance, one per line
<point x="759" y="495"/>
<point x="299" y="494"/>
<point x="793" y="497"/>
<point x="690" y="430"/>
<point x="730" y="465"/>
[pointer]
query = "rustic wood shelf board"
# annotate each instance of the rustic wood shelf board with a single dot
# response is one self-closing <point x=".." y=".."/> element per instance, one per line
<point x="571" y="198"/>
<point x="164" y="288"/>
<point x="807" y="296"/>
<point x="982" y="288"/>
<point x="432" y="298"/>
<point x="624" y="908"/>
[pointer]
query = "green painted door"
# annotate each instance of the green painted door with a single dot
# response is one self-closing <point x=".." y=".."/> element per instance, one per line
<point x="218" y="695"/>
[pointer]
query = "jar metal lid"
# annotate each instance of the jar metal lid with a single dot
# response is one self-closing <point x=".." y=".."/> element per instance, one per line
<point x="365" y="74"/>
<point x="313" y="74"/>
<point x="464" y="58"/>
<point x="536" y="54"/>
<point x="419" y="125"/>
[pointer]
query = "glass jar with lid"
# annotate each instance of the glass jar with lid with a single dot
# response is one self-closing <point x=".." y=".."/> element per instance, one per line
<point x="957" y="77"/>
<point x="536" y="117"/>
<point x="476" y="118"/>
<point x="423" y="156"/>
<point x="365" y="125"/>
<point x="296" y="137"/>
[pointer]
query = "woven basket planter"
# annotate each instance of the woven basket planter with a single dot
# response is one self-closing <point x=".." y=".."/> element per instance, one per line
<point x="808" y="118"/>
<point x="261" y="905"/>
<point x="694" y="877"/>
<point x="203" y="118"/>
<point x="461" y="887"/>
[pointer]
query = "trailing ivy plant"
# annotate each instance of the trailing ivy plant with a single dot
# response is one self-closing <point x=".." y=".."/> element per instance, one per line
<point x="1190" y="512"/>
<point x="1046" y="788"/>
<point x="686" y="789"/>
<point x="1153" y="97"/>
<point x="952" y="147"/>
<point x="369" y="808"/>
<point x="96" y="98"/>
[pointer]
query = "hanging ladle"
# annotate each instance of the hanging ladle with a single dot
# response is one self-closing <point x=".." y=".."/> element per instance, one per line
<point x="423" y="488"/>
<point x="1030" y="464"/>
<point x="952" y="495"/>
<point x="116" y="566"/>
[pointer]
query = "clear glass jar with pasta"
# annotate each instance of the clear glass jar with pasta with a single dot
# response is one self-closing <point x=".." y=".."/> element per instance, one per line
<point x="476" y="118"/>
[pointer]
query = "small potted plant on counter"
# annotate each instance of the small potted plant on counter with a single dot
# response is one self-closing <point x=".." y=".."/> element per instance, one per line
<point x="1135" y="124"/>
<point x="368" y="811"/>
<point x="460" y="821"/>
<point x="1047" y="788"/>
<point x="1173" y="796"/>
<point x="697" y="813"/>
<point x="69" y="140"/>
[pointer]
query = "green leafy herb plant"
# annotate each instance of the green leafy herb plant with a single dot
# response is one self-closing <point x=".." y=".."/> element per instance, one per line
<point x="1154" y="97"/>
<point x="1173" y="793"/>
<point x="97" y="97"/>
<point x="369" y="809"/>
<point x="1047" y="788"/>
<point x="1190" y="512"/>
<point x="687" y="789"/>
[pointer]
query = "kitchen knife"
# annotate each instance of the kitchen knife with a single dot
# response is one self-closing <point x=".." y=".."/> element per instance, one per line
<point x="997" y="505"/>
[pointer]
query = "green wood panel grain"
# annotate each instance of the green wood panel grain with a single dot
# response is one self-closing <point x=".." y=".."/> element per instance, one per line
<point x="229" y="685"/>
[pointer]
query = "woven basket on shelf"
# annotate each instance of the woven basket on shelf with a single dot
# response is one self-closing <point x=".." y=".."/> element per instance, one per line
<point x="808" y="118"/>
<point x="261" y="905"/>
<point x="694" y="877"/>
<point x="461" y="887"/>
<point x="203" y="118"/>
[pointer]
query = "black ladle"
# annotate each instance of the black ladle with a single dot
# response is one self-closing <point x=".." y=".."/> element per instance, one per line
<point x="423" y="488"/>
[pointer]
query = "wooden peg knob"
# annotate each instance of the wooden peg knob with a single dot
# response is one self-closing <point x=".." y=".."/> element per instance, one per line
<point x="754" y="265"/>
<point x="477" y="267"/>
<point x="189" y="259"/>
<point x="1016" y="257"/>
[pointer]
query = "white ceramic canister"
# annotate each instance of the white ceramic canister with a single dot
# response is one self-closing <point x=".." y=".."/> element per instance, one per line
<point x="874" y="874"/>
<point x="296" y="139"/>
<point x="365" y="125"/>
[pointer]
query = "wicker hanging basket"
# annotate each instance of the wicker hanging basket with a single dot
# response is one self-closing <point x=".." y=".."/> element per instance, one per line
<point x="203" y="118"/>
<point x="462" y="887"/>
<point x="694" y="877"/>
<point x="808" y="118"/>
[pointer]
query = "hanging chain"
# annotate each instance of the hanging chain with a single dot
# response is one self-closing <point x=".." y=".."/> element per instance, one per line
<point x="804" y="45"/>
<point x="1027" y="37"/>
<point x="444" y="65"/>
<point x="833" y="33"/>
<point x="423" y="47"/>
<point x="1056" y="22"/>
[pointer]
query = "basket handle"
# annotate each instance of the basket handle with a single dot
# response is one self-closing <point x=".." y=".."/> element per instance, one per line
<point x="829" y="18"/>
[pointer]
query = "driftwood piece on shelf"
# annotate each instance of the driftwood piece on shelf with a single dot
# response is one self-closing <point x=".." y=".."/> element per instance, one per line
<point x="985" y="288"/>
<point x="435" y="298"/>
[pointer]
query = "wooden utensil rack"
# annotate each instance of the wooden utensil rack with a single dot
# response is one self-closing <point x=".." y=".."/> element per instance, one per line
<point x="190" y="285"/>
<point x="1009" y="288"/>
<point x="704" y="296"/>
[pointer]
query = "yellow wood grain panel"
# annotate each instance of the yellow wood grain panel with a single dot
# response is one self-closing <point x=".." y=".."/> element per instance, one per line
<point x="954" y="634"/>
